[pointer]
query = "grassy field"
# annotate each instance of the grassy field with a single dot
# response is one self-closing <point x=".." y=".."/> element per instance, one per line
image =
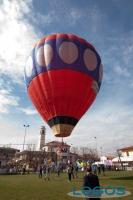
<point x="30" y="187"/>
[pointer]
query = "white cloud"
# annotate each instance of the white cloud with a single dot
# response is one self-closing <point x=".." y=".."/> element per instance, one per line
<point x="16" y="37"/>
<point x="111" y="124"/>
<point x="45" y="19"/>
<point x="13" y="134"/>
<point x="28" y="111"/>
<point x="7" y="100"/>
<point x="131" y="84"/>
<point x="74" y="15"/>
<point x="121" y="71"/>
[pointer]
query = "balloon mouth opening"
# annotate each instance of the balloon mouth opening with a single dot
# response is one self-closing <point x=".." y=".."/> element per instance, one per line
<point x="62" y="126"/>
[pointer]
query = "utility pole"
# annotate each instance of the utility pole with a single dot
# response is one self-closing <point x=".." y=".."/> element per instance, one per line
<point x="25" y="131"/>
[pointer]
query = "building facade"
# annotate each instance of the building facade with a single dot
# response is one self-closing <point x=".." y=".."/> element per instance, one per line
<point x="32" y="159"/>
<point x="7" y="155"/>
<point x="60" y="148"/>
<point x="127" y="151"/>
<point x="125" y="158"/>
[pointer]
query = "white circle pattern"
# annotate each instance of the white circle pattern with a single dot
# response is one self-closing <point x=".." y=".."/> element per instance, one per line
<point x="40" y="56"/>
<point x="29" y="67"/>
<point x="90" y="59"/>
<point x="68" y="52"/>
<point x="44" y="55"/>
<point x="48" y="54"/>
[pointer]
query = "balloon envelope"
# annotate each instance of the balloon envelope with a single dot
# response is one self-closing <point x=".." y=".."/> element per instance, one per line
<point x="63" y="76"/>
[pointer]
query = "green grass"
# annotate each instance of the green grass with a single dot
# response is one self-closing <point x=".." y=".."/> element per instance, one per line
<point x="30" y="187"/>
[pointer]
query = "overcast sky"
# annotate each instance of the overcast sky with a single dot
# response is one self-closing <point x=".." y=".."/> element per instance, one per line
<point x="108" y="26"/>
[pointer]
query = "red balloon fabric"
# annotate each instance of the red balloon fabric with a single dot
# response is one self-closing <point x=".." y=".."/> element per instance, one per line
<point x="63" y="76"/>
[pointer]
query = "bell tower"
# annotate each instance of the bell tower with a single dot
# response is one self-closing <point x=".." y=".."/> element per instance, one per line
<point x="42" y="137"/>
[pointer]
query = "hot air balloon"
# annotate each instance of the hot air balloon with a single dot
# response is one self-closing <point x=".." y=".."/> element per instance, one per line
<point x="63" y="76"/>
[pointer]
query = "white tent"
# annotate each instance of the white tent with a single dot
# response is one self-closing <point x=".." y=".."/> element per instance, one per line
<point x="105" y="161"/>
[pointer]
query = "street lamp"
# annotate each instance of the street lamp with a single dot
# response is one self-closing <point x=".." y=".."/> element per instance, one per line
<point x="25" y="126"/>
<point x="96" y="142"/>
<point x="101" y="148"/>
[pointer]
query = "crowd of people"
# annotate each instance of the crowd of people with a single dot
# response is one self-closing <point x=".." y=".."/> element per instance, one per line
<point x="44" y="171"/>
<point x="72" y="169"/>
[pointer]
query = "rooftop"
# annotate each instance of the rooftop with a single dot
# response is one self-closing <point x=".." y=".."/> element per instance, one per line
<point x="9" y="149"/>
<point x="130" y="148"/>
<point x="56" y="144"/>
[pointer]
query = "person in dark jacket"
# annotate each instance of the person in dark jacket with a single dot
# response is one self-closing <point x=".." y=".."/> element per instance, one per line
<point x="69" y="172"/>
<point x="90" y="181"/>
<point x="40" y="171"/>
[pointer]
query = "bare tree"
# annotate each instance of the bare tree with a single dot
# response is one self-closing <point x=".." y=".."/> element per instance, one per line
<point x="75" y="150"/>
<point x="89" y="154"/>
